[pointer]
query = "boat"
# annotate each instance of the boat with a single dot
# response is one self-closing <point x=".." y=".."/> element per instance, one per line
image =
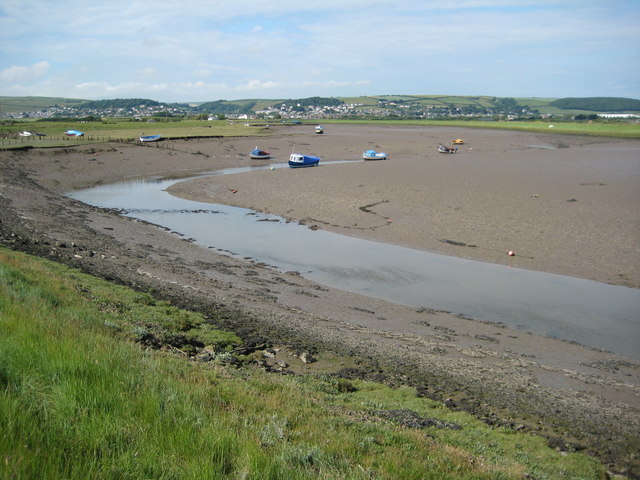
<point x="445" y="149"/>
<point x="25" y="134"/>
<point x="319" y="129"/>
<point x="296" y="160"/>
<point x="74" y="133"/>
<point x="457" y="141"/>
<point x="150" y="138"/>
<point x="256" y="153"/>
<point x="373" y="155"/>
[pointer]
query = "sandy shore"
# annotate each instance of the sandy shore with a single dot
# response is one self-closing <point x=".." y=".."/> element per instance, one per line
<point x="571" y="209"/>
<point x="567" y="205"/>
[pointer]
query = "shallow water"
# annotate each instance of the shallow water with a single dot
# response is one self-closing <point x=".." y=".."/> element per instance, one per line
<point x="591" y="313"/>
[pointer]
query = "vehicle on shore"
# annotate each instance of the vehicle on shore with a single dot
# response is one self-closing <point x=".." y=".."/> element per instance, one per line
<point x="297" y="160"/>
<point x="258" y="154"/>
<point x="373" y="155"/>
<point x="444" y="149"/>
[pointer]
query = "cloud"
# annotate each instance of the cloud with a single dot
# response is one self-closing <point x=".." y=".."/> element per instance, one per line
<point x="18" y="74"/>
<point x="278" y="48"/>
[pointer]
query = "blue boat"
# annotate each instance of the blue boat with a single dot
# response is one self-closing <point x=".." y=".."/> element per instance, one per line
<point x="74" y="133"/>
<point x="296" y="160"/>
<point x="256" y="153"/>
<point x="373" y="155"/>
<point x="150" y="138"/>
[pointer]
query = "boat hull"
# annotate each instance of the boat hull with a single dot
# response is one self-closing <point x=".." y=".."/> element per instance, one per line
<point x="299" y="161"/>
<point x="150" y="138"/>
<point x="258" y="154"/>
<point x="373" y="155"/>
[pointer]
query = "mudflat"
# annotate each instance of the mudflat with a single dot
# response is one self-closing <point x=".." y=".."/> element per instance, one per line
<point x="562" y="204"/>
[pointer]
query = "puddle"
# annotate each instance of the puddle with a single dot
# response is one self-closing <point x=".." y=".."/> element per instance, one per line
<point x="591" y="313"/>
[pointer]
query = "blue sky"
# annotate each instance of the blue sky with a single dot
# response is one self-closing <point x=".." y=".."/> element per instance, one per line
<point x="204" y="50"/>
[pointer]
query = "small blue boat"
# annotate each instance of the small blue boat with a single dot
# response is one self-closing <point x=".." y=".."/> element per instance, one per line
<point x="258" y="154"/>
<point x="296" y="160"/>
<point x="150" y="138"/>
<point x="74" y="133"/>
<point x="373" y="155"/>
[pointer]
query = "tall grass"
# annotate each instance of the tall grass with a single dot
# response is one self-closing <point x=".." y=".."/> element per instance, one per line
<point x="79" y="399"/>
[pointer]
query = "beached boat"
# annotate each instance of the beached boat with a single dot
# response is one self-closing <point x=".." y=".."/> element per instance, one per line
<point x="150" y="138"/>
<point x="25" y="134"/>
<point x="74" y="133"/>
<point x="258" y="154"/>
<point x="457" y="141"/>
<point x="373" y="155"/>
<point x="296" y="160"/>
<point x="445" y="149"/>
<point x="319" y="129"/>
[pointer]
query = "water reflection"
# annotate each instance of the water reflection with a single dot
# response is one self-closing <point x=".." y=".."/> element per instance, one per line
<point x="588" y="312"/>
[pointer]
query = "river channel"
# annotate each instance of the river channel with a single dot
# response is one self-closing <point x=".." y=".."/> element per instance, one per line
<point x="591" y="313"/>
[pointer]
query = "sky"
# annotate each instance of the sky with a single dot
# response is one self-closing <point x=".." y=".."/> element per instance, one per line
<point x="207" y="50"/>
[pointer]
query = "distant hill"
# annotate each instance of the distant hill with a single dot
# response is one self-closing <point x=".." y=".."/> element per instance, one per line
<point x="598" y="104"/>
<point x="120" y="103"/>
<point x="399" y="103"/>
<point x="33" y="104"/>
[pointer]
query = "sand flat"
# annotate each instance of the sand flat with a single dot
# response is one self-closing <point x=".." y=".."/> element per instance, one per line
<point x="562" y="204"/>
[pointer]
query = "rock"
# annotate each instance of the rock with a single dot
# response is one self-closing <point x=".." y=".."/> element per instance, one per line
<point x="306" y="357"/>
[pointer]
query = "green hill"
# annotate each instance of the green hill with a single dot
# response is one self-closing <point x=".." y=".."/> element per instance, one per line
<point x="464" y="104"/>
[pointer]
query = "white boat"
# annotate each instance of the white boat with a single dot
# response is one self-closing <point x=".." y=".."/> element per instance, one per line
<point x="373" y="155"/>
<point x="25" y="134"/>
<point x="296" y="160"/>
<point x="319" y="129"/>
<point x="150" y="138"/>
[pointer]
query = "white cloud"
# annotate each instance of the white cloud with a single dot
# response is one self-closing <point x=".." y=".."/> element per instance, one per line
<point x="18" y="74"/>
<point x="279" y="48"/>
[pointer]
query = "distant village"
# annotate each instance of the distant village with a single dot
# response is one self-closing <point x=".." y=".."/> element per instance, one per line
<point x="504" y="109"/>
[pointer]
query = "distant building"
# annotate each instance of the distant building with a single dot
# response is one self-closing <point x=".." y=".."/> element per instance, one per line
<point x="618" y="115"/>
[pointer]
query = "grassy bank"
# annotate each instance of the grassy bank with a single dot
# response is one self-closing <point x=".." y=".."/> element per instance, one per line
<point x="130" y="131"/>
<point x="602" y="129"/>
<point x="99" y="381"/>
<point x="118" y="130"/>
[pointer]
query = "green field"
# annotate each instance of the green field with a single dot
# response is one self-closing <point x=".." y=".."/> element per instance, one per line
<point x="130" y="131"/>
<point x="119" y="130"/>
<point x="84" y="394"/>
<point x="604" y="129"/>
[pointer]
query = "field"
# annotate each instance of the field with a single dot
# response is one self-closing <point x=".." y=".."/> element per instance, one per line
<point x="604" y="129"/>
<point x="95" y="382"/>
<point x="119" y="130"/>
<point x="130" y="131"/>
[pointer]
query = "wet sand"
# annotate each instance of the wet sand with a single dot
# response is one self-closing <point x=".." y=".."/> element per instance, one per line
<point x="562" y="204"/>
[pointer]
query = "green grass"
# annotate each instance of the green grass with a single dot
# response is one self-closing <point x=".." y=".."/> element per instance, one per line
<point x="80" y="397"/>
<point x="119" y="130"/>
<point x="604" y="129"/>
